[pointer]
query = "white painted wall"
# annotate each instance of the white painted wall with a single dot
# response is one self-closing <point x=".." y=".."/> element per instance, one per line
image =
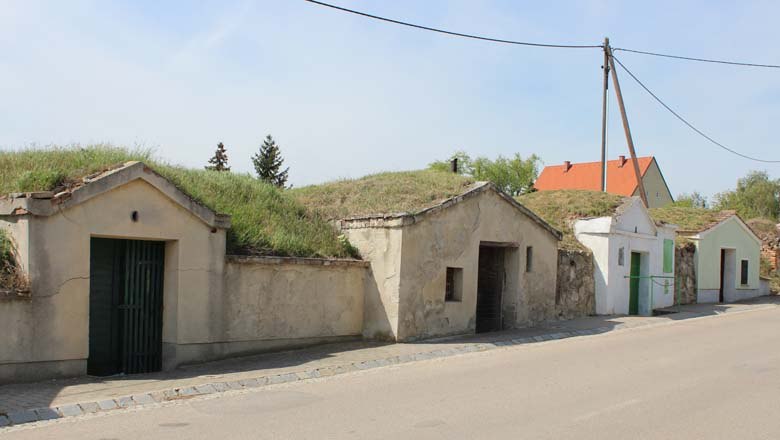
<point x="633" y="230"/>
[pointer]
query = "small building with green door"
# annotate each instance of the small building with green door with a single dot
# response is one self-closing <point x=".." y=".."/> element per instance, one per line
<point x="728" y="253"/>
<point x="633" y="259"/>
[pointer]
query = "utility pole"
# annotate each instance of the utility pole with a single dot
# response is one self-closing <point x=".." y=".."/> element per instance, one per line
<point x="626" y="128"/>
<point x="604" y="117"/>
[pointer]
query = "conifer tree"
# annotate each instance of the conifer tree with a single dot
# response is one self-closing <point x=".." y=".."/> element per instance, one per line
<point x="268" y="163"/>
<point x="220" y="160"/>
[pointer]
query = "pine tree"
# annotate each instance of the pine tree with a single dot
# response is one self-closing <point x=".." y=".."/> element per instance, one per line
<point x="268" y="163"/>
<point x="220" y="160"/>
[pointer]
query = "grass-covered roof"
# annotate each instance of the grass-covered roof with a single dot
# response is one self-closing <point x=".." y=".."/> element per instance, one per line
<point x="560" y="208"/>
<point x="383" y="193"/>
<point x="265" y="219"/>
<point x="689" y="219"/>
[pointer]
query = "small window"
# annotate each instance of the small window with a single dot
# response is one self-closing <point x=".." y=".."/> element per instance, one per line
<point x="454" y="287"/>
<point x="744" y="273"/>
<point x="529" y="258"/>
<point x="621" y="256"/>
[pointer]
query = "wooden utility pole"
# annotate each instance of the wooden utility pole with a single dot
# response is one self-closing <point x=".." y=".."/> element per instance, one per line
<point x="626" y="128"/>
<point x="604" y="117"/>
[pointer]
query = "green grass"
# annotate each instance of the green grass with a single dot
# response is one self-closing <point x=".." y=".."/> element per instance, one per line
<point x="383" y="193"/>
<point x="688" y="219"/>
<point x="6" y="255"/>
<point x="265" y="219"/>
<point x="560" y="208"/>
<point x="10" y="276"/>
<point x="52" y="168"/>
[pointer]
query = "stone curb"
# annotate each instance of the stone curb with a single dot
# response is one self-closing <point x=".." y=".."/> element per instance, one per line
<point x="76" y="409"/>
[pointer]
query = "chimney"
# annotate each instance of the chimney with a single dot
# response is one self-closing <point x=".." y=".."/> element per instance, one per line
<point x="566" y="166"/>
<point x="622" y="160"/>
<point x="454" y="165"/>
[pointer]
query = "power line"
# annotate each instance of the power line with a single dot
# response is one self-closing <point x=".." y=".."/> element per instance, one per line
<point x="703" y="60"/>
<point x="455" y="34"/>
<point x="684" y="121"/>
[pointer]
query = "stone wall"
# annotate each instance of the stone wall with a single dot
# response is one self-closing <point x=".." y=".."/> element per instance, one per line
<point x="685" y="273"/>
<point x="575" y="293"/>
<point x="771" y="254"/>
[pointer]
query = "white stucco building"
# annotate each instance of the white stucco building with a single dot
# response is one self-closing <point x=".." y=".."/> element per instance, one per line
<point x="633" y="259"/>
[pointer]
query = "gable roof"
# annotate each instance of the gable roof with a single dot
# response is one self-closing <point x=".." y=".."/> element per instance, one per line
<point x="408" y="218"/>
<point x="696" y="221"/>
<point x="621" y="178"/>
<point x="46" y="203"/>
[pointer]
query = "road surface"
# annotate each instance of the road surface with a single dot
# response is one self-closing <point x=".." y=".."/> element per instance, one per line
<point x="707" y="378"/>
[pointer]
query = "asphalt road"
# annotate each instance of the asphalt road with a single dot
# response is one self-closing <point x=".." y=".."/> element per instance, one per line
<point x="716" y="378"/>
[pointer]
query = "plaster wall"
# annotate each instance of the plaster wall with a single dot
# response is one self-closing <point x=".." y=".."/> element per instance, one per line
<point x="451" y="238"/>
<point x="270" y="302"/>
<point x="382" y="248"/>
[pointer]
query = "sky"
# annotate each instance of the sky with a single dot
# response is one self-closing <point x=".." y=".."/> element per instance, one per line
<point x="346" y="96"/>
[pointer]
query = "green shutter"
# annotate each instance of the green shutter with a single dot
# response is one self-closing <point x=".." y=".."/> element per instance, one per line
<point x="668" y="256"/>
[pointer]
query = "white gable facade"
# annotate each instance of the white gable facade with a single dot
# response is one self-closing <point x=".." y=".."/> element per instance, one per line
<point x="630" y="234"/>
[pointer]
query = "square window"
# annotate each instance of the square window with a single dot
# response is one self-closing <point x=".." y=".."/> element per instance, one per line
<point x="529" y="258"/>
<point x="743" y="279"/>
<point x="454" y="284"/>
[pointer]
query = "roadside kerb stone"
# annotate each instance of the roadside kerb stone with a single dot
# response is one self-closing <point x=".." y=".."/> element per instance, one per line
<point x="205" y="389"/>
<point x="106" y="405"/>
<point x="48" y="413"/>
<point x="125" y="402"/>
<point x="143" y="399"/>
<point x="89" y="407"/>
<point x="249" y="383"/>
<point x="23" y="416"/>
<point x="71" y="410"/>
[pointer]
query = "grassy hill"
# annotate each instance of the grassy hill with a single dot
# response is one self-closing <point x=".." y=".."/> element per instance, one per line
<point x="383" y="193"/>
<point x="265" y="219"/>
<point x="562" y="207"/>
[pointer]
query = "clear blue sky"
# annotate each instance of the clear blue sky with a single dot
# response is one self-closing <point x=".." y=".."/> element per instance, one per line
<point x="347" y="96"/>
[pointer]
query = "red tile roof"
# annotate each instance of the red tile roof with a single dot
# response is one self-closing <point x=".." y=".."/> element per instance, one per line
<point x="621" y="178"/>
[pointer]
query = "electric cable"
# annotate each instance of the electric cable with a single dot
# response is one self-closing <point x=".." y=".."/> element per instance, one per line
<point x="703" y="60"/>
<point x="684" y="121"/>
<point x="455" y="34"/>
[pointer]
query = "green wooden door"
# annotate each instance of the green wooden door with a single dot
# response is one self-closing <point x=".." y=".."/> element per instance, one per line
<point x="126" y="301"/>
<point x="105" y="285"/>
<point x="633" y="299"/>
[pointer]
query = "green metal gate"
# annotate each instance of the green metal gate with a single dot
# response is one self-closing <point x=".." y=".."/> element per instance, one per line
<point x="633" y="292"/>
<point x="126" y="303"/>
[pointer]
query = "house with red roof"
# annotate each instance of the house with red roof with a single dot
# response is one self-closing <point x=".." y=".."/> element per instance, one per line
<point x="621" y="179"/>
